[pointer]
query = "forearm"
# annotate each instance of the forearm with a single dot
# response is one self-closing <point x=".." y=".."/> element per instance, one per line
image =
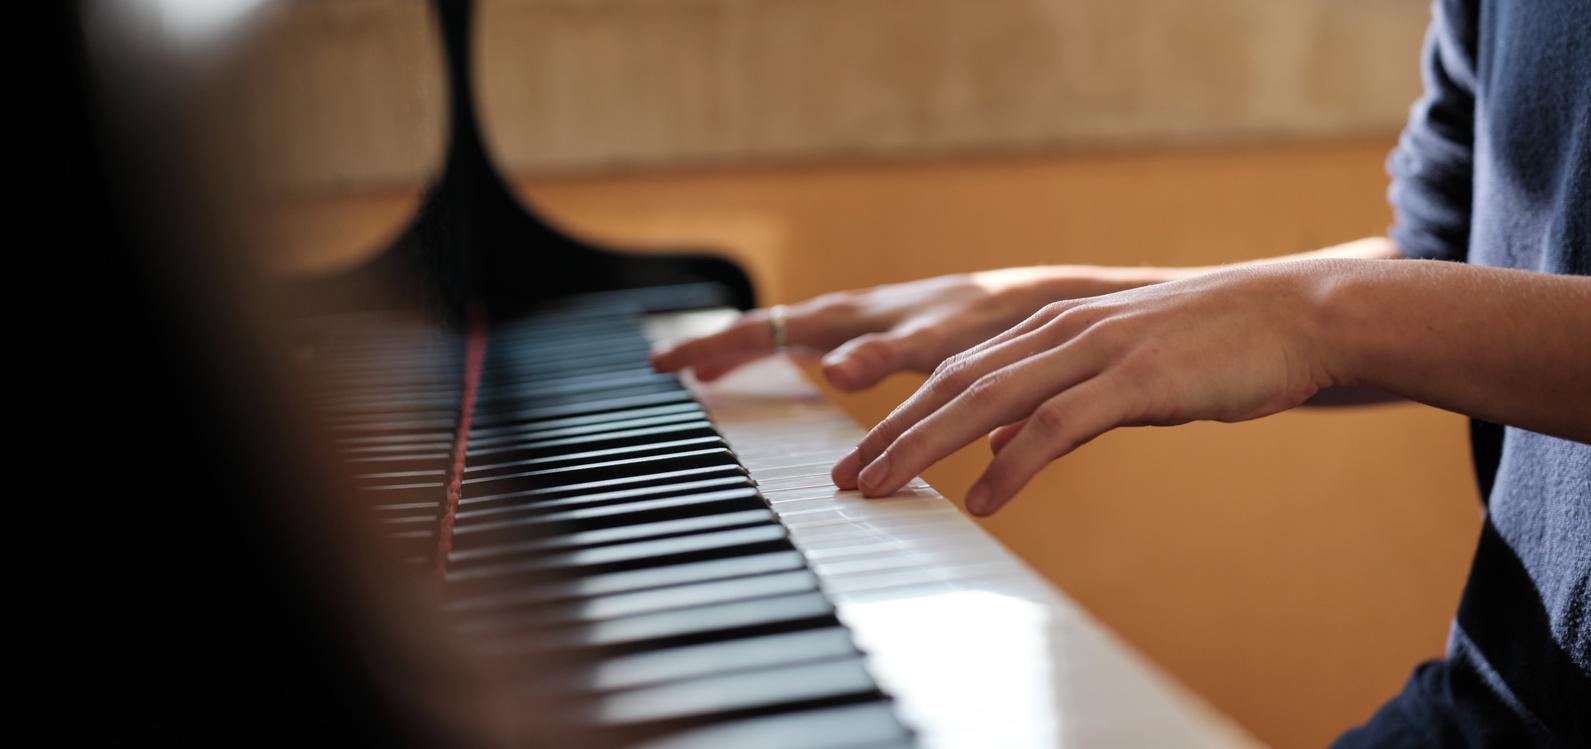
<point x="1055" y="282"/>
<point x="1507" y="346"/>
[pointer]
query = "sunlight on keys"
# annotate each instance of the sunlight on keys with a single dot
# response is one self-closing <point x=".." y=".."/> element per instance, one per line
<point x="965" y="652"/>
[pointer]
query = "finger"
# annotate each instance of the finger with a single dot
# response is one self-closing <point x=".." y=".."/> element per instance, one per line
<point x="939" y="390"/>
<point x="1002" y="435"/>
<point x="1033" y="322"/>
<point x="861" y="362"/>
<point x="750" y="334"/>
<point x="713" y="369"/>
<point x="1059" y="426"/>
<point x="948" y="382"/>
<point x="1001" y="397"/>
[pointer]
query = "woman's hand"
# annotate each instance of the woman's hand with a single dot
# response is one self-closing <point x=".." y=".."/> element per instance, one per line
<point x="864" y="336"/>
<point x="1226" y="346"/>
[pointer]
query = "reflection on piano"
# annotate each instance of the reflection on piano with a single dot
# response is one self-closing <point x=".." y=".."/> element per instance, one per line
<point x="632" y="559"/>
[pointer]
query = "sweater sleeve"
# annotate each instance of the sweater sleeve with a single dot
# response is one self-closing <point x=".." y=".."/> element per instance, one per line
<point x="1432" y="168"/>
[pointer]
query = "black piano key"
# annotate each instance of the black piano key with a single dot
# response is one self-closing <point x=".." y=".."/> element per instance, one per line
<point x="610" y="515"/>
<point x="407" y="438"/>
<point x="625" y="357"/>
<point x="652" y="553"/>
<point x="616" y="535"/>
<point x="544" y="503"/>
<point x="572" y="384"/>
<point x="676" y="627"/>
<point x="607" y="542"/>
<point x="590" y="456"/>
<point x="541" y="412"/>
<point x="607" y="469"/>
<point x="401" y="477"/>
<point x="554" y="591"/>
<point x="866" y="725"/>
<point x="691" y="661"/>
<point x="473" y="502"/>
<point x="579" y="399"/>
<point x="392" y="509"/>
<point x="478" y="432"/>
<point x="629" y="420"/>
<point x="638" y="603"/>
<point x="607" y="439"/>
<point x="781" y="688"/>
<point x="357" y="451"/>
<point x="406" y="493"/>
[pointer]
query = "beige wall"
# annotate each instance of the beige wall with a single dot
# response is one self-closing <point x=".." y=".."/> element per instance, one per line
<point x="347" y="92"/>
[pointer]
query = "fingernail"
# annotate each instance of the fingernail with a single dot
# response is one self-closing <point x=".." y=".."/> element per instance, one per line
<point x="977" y="497"/>
<point x="875" y="474"/>
<point x="844" y="473"/>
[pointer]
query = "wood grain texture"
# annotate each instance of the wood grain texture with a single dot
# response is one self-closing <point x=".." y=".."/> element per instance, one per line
<point x="349" y="92"/>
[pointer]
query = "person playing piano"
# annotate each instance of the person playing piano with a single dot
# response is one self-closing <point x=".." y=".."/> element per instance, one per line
<point x="1478" y="301"/>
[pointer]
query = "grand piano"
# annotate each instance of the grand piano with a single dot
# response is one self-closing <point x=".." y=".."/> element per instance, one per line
<point x="488" y="521"/>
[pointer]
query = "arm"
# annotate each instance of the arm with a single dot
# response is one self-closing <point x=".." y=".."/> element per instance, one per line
<point x="1508" y="346"/>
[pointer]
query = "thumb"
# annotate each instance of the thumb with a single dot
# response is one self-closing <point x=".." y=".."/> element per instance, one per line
<point x="1003" y="434"/>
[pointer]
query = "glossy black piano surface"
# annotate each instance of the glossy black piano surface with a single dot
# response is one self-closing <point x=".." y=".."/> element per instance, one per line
<point x="519" y="533"/>
<point x="601" y="544"/>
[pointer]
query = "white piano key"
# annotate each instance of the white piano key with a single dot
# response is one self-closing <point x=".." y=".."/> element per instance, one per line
<point x="977" y="649"/>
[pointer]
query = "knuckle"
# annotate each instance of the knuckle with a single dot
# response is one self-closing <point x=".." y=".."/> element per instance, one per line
<point x="1048" y="422"/>
<point x="1078" y="317"/>
<point x="945" y="366"/>
<point x="909" y="444"/>
<point x="876" y="345"/>
<point x="871" y="445"/>
<point x="1139" y="364"/>
<point x="952" y="382"/>
<point x="984" y="391"/>
<point x="843" y="303"/>
<point x="1054" y="309"/>
<point x="922" y="336"/>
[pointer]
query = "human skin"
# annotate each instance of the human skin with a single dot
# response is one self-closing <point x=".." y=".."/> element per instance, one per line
<point x="1110" y="347"/>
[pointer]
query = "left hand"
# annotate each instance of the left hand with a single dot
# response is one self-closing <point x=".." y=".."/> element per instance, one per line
<point x="1226" y="346"/>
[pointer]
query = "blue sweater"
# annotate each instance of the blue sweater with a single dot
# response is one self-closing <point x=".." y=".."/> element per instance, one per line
<point x="1494" y="168"/>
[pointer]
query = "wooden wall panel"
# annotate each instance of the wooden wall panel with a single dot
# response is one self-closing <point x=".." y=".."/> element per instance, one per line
<point x="347" y="92"/>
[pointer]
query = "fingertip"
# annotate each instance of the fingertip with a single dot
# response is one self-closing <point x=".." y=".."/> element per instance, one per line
<point x="977" y="499"/>
<point x="874" y="480"/>
<point x="844" y="472"/>
<point x="1002" y="436"/>
<point x="663" y="360"/>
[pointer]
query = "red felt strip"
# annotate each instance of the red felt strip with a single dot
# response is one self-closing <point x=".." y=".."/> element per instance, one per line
<point x="474" y="360"/>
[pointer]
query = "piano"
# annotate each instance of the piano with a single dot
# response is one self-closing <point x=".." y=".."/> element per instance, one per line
<point x="622" y="557"/>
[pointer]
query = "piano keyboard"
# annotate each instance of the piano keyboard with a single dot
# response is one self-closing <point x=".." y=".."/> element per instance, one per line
<point x="670" y="566"/>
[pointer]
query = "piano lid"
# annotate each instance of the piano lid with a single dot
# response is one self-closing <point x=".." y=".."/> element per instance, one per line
<point x="473" y="242"/>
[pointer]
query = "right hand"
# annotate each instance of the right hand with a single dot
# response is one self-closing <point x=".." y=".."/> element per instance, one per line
<point x="865" y="335"/>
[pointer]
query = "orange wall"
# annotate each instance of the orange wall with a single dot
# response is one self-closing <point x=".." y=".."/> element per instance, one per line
<point x="1292" y="570"/>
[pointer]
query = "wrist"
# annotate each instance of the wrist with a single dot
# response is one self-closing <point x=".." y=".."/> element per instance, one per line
<point x="1341" y="299"/>
<point x="1043" y="284"/>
